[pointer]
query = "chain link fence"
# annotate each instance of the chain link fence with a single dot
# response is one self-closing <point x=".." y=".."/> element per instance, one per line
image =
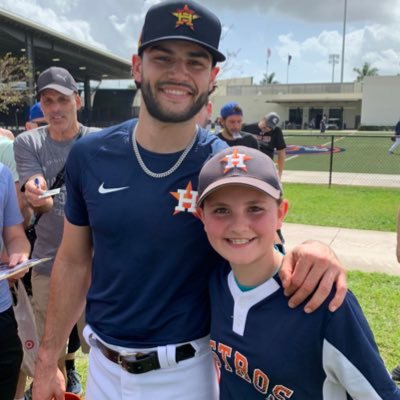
<point x="343" y="159"/>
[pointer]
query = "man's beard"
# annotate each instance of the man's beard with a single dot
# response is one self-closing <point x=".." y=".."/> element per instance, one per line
<point x="156" y="111"/>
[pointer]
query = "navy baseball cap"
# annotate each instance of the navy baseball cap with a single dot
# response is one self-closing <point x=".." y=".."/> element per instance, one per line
<point x="35" y="112"/>
<point x="231" y="108"/>
<point x="239" y="165"/>
<point x="182" y="20"/>
<point x="57" y="78"/>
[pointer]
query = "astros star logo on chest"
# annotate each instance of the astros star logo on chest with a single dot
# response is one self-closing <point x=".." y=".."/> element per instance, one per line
<point x="187" y="199"/>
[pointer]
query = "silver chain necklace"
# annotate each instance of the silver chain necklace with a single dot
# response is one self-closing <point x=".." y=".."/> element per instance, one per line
<point x="173" y="168"/>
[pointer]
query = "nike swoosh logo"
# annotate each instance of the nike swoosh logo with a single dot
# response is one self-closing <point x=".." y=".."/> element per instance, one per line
<point x="103" y="190"/>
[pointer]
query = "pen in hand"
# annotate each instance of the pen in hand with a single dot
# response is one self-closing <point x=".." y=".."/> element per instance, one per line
<point x="37" y="183"/>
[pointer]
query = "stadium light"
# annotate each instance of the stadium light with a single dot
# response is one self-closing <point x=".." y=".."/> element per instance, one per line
<point x="333" y="59"/>
<point x="343" y="39"/>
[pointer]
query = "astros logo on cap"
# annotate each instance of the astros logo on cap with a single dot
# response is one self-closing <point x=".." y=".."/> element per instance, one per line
<point x="185" y="16"/>
<point x="235" y="160"/>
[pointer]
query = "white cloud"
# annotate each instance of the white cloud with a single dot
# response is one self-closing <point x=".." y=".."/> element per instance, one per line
<point x="75" y="28"/>
<point x="376" y="44"/>
<point x="317" y="11"/>
<point x="64" y="6"/>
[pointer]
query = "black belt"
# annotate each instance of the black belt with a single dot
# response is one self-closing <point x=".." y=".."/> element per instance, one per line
<point x="139" y="363"/>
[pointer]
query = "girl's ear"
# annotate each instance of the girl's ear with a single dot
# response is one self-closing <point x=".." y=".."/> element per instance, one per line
<point x="282" y="211"/>
<point x="200" y="214"/>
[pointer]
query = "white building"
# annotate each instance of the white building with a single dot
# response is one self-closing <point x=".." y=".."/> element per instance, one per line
<point x="375" y="101"/>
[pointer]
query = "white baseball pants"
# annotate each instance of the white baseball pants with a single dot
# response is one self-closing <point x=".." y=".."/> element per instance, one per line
<point x="192" y="379"/>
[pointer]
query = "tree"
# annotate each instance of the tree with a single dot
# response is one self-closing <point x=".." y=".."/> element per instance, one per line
<point x="365" y="70"/>
<point x="14" y="75"/>
<point x="268" y="79"/>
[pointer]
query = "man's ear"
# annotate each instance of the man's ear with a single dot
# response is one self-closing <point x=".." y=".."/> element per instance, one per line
<point x="213" y="79"/>
<point x="78" y="101"/>
<point x="137" y="68"/>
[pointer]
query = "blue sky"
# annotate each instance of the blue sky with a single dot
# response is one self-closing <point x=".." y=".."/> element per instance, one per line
<point x="309" y="30"/>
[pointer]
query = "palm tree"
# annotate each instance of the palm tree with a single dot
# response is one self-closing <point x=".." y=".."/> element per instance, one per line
<point x="268" y="79"/>
<point x="365" y="70"/>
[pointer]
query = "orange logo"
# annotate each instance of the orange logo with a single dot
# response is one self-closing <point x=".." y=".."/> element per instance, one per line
<point x="185" y="16"/>
<point x="187" y="199"/>
<point x="235" y="160"/>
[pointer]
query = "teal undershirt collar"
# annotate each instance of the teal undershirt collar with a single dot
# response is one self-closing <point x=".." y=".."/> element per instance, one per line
<point x="245" y="288"/>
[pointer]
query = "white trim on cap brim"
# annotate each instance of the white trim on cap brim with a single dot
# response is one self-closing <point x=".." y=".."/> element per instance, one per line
<point x="241" y="180"/>
<point x="58" y="88"/>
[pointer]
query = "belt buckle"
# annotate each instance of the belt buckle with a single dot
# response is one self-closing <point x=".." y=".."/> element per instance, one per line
<point x="126" y="357"/>
<point x="139" y="363"/>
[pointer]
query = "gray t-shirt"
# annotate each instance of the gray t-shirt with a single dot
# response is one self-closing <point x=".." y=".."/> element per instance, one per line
<point x="37" y="153"/>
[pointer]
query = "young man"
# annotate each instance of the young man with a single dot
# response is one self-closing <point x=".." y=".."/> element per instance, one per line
<point x="131" y="204"/>
<point x="232" y="121"/>
<point x="331" y="356"/>
<point x="40" y="155"/>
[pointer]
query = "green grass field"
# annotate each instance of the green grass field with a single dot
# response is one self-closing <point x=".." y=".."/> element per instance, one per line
<point x="364" y="153"/>
<point x="353" y="207"/>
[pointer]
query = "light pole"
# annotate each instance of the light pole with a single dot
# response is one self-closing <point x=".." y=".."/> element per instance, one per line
<point x="344" y="38"/>
<point x="333" y="59"/>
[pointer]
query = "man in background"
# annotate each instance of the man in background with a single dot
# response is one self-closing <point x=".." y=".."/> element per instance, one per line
<point x="270" y="138"/>
<point x="396" y="138"/>
<point x="40" y="155"/>
<point x="231" y="122"/>
<point x="36" y="117"/>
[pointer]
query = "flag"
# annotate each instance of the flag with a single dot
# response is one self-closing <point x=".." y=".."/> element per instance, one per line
<point x="268" y="52"/>
<point x="289" y="58"/>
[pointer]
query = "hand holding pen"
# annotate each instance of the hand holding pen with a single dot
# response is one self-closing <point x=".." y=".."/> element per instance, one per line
<point x="34" y="189"/>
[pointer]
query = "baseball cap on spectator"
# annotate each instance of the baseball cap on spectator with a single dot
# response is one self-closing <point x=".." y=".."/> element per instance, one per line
<point x="239" y="165"/>
<point x="57" y="78"/>
<point x="182" y="20"/>
<point x="231" y="108"/>
<point x="35" y="112"/>
<point x="272" y="120"/>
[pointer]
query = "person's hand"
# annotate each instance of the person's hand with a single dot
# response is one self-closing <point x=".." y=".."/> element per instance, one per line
<point x="33" y="189"/>
<point x="313" y="266"/>
<point x="15" y="259"/>
<point x="48" y="383"/>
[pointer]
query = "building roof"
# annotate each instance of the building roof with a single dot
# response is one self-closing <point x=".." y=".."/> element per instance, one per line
<point x="83" y="61"/>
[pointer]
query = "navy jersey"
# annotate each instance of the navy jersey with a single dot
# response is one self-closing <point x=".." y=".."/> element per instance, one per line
<point x="265" y="350"/>
<point x="152" y="259"/>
